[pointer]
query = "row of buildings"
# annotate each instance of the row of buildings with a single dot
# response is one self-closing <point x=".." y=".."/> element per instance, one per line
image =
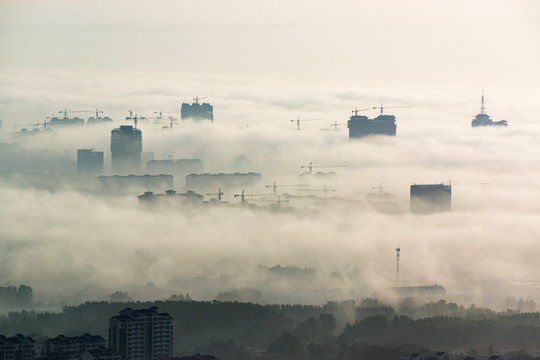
<point x="143" y="334"/>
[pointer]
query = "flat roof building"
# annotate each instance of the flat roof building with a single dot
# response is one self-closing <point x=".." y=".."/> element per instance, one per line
<point x="89" y="162"/>
<point x="361" y="126"/>
<point x="223" y="181"/>
<point x="197" y="112"/>
<point x="430" y="198"/>
<point x="143" y="334"/>
<point x="126" y="149"/>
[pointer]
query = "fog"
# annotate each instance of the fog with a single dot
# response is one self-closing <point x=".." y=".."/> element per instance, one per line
<point x="73" y="243"/>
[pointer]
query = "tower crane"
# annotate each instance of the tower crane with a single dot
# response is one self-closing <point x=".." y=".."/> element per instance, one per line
<point x="66" y="111"/>
<point x="279" y="201"/>
<point x="311" y="166"/>
<point x="356" y="110"/>
<point x="275" y="186"/>
<point x="335" y="125"/>
<point x="297" y="120"/>
<point x="219" y="194"/>
<point x="389" y="107"/>
<point x="131" y="117"/>
<point x="325" y="190"/>
<point x="171" y="119"/>
<point x="243" y="196"/>
<point x="196" y="99"/>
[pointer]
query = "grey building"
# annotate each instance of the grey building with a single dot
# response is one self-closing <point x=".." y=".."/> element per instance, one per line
<point x="361" y="126"/>
<point x="143" y="334"/>
<point x="133" y="183"/>
<point x="66" y="121"/>
<point x="483" y="119"/>
<point x="430" y="198"/>
<point x="17" y="347"/>
<point x="76" y="345"/>
<point x="126" y="149"/>
<point x="197" y="112"/>
<point x="89" y="161"/>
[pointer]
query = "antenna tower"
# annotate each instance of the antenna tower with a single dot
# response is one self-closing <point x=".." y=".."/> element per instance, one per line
<point x="482" y="109"/>
<point x="397" y="264"/>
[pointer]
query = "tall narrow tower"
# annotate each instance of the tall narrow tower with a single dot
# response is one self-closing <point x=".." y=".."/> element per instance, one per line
<point x="126" y="149"/>
<point x="397" y="265"/>
<point x="483" y="108"/>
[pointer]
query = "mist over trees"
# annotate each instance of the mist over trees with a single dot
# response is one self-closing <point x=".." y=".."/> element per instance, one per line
<point x="369" y="329"/>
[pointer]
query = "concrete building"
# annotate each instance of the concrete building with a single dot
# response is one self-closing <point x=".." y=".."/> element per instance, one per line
<point x="75" y="345"/>
<point x="430" y="198"/>
<point x="197" y="112"/>
<point x="143" y="334"/>
<point x="483" y="119"/>
<point x="178" y="168"/>
<point x="17" y="347"/>
<point x="224" y="181"/>
<point x="89" y="162"/>
<point x="126" y="149"/>
<point x="171" y="198"/>
<point x="98" y="120"/>
<point x="133" y="183"/>
<point x="66" y="121"/>
<point x="361" y="126"/>
<point x="100" y="354"/>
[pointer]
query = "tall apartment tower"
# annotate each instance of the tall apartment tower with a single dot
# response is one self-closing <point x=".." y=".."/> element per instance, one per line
<point x="141" y="334"/>
<point x="126" y="149"/>
<point x="196" y="111"/>
<point x="89" y="162"/>
<point x="431" y="198"/>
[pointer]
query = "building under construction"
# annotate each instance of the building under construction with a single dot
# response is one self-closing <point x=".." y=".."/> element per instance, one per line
<point x="361" y="126"/>
<point x="126" y="149"/>
<point x="430" y="198"/>
<point x="66" y="121"/>
<point x="197" y="112"/>
<point x="119" y="184"/>
<point x="483" y="119"/>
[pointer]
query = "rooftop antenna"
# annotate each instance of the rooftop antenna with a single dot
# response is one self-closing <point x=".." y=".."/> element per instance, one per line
<point x="397" y="264"/>
<point x="483" y="108"/>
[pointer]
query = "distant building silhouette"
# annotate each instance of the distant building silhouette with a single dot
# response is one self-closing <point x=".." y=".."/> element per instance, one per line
<point x="142" y="334"/>
<point x="126" y="149"/>
<point x="123" y="184"/>
<point x="197" y="112"/>
<point x="98" y="120"/>
<point x="361" y="126"/>
<point x="483" y="119"/>
<point x="74" y="345"/>
<point x="179" y="168"/>
<point x="430" y="198"/>
<point x="17" y="347"/>
<point x="66" y="121"/>
<point x="171" y="197"/>
<point x="223" y="181"/>
<point x="89" y="162"/>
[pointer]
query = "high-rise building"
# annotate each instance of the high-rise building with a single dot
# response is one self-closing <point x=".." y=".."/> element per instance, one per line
<point x="430" y="198"/>
<point x="89" y="162"/>
<point x="126" y="148"/>
<point x="483" y="119"/>
<point x="17" y="347"/>
<point x="197" y="111"/>
<point x="360" y="125"/>
<point x="143" y="334"/>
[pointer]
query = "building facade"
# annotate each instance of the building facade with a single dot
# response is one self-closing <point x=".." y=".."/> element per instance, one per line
<point x="431" y="198"/>
<point x="89" y="162"/>
<point x="201" y="182"/>
<point x="72" y="344"/>
<point x="361" y="126"/>
<point x="17" y="347"/>
<point x="197" y="112"/>
<point x="126" y="149"/>
<point x="143" y="334"/>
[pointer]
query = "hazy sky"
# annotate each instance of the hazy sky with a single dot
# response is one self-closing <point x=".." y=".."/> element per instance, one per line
<point x="264" y="63"/>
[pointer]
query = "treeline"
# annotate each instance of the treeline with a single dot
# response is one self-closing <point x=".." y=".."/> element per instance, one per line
<point x="16" y="297"/>
<point x="344" y="330"/>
